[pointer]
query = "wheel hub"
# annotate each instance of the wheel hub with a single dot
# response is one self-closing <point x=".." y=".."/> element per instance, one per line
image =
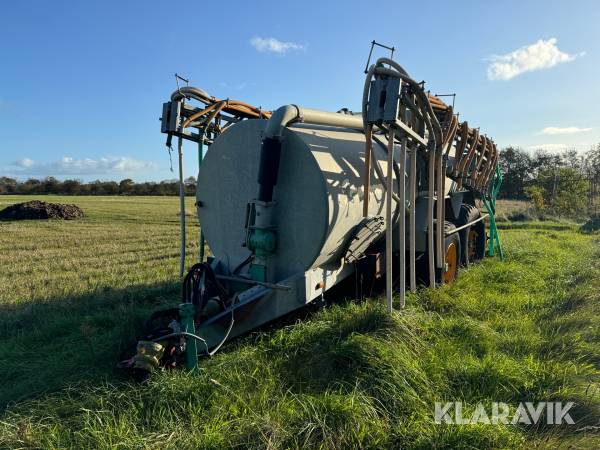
<point x="449" y="274"/>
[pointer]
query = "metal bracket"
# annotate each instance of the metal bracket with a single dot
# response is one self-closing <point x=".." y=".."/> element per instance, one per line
<point x="364" y="235"/>
<point x="449" y="95"/>
<point x="384" y="97"/>
<point x="373" y="44"/>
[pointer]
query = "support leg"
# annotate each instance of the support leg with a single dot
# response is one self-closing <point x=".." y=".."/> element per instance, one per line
<point x="402" y="223"/>
<point x="181" y="206"/>
<point x="388" y="223"/>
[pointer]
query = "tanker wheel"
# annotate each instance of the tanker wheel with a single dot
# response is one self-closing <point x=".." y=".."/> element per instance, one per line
<point x="452" y="250"/>
<point x="473" y="238"/>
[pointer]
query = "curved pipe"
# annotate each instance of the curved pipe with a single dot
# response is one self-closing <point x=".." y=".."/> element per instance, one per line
<point x="280" y="119"/>
<point x="270" y="152"/>
<point x="189" y="91"/>
<point x="435" y="147"/>
<point x="288" y="114"/>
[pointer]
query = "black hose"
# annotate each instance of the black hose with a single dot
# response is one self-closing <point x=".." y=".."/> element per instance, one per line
<point x="268" y="168"/>
<point x="191" y="292"/>
<point x="242" y="264"/>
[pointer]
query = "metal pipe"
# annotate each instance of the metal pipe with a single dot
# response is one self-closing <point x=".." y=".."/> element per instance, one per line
<point x="443" y="214"/>
<point x="271" y="144"/>
<point x="430" y="200"/>
<point x="181" y="205"/>
<point x="187" y="313"/>
<point x="467" y="224"/>
<point x="388" y="223"/>
<point x="380" y="175"/>
<point x="365" y="99"/>
<point x="367" y="173"/>
<point x="431" y="119"/>
<point x="436" y="134"/>
<point x="318" y="117"/>
<point x="281" y="118"/>
<point x="190" y="91"/>
<point x="439" y="230"/>
<point x="402" y="224"/>
<point x="254" y="282"/>
<point x="288" y="114"/>
<point x="200" y="158"/>
<point x="412" y="216"/>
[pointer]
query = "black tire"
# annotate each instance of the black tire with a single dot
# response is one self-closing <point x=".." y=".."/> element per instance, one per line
<point x="473" y="238"/>
<point x="441" y="275"/>
<point x="453" y="251"/>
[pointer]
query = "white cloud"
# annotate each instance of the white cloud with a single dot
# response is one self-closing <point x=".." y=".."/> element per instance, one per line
<point x="25" y="163"/>
<point x="272" y="45"/>
<point x="86" y="166"/>
<point x="538" y="56"/>
<point x="550" y="147"/>
<point x="564" y="130"/>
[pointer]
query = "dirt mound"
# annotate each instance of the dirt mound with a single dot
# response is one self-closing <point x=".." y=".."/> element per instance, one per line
<point x="40" y="210"/>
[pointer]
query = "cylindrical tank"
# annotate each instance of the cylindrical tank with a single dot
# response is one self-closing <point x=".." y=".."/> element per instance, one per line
<point x="318" y="195"/>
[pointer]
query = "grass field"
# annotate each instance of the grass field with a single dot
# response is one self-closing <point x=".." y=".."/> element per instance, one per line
<point x="73" y="294"/>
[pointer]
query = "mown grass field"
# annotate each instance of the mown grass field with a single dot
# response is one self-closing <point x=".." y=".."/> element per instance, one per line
<point x="73" y="294"/>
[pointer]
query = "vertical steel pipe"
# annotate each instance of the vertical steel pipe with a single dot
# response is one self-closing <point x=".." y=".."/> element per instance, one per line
<point x="388" y="222"/>
<point x="181" y="205"/>
<point x="367" y="174"/>
<point x="402" y="222"/>
<point x="200" y="158"/>
<point x="412" y="217"/>
<point x="187" y="312"/>
<point x="430" y="204"/>
<point x="439" y="212"/>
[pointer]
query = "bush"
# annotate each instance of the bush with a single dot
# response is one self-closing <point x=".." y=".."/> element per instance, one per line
<point x="536" y="195"/>
<point x="562" y="191"/>
<point x="593" y="224"/>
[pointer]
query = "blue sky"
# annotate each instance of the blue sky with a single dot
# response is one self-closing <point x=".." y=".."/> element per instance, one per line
<point x="82" y="82"/>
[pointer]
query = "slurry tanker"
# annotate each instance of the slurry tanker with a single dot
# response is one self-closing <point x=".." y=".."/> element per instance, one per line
<point x="294" y="201"/>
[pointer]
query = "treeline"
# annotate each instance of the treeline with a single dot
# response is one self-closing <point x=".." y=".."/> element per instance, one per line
<point x="51" y="185"/>
<point x="567" y="183"/>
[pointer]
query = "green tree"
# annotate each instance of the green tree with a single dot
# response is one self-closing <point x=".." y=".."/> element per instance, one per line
<point x="31" y="186"/>
<point x="126" y="186"/>
<point x="190" y="186"/>
<point x="542" y="160"/>
<point x="96" y="188"/>
<point x="515" y="165"/>
<point x="8" y="185"/>
<point x="564" y="190"/>
<point x="536" y="195"/>
<point x="110" y="188"/>
<point x="71" y="187"/>
<point x="50" y="185"/>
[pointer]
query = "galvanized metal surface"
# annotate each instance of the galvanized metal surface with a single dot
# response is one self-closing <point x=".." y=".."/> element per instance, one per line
<point x="318" y="196"/>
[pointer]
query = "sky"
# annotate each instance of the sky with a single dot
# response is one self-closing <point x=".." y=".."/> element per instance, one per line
<point x="82" y="82"/>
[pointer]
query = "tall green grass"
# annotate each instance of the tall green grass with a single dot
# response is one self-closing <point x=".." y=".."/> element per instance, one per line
<point x="347" y="376"/>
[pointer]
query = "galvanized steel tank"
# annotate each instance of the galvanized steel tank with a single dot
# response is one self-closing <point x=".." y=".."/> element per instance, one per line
<point x="318" y="195"/>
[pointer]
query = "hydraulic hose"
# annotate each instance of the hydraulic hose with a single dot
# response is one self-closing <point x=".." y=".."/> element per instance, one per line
<point x="434" y="147"/>
<point x="234" y="107"/>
